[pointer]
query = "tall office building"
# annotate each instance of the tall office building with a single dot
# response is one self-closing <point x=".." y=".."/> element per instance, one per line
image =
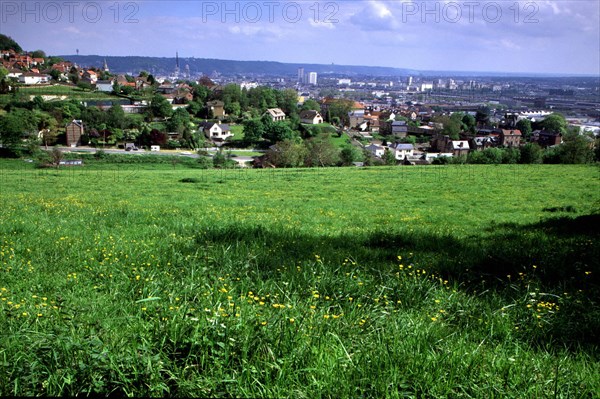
<point x="300" y="75"/>
<point x="312" y="78"/>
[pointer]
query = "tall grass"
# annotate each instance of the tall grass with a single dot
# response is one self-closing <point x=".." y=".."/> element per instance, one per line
<point x="439" y="282"/>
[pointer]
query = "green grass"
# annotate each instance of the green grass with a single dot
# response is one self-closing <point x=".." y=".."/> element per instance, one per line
<point x="238" y="132"/>
<point x="153" y="280"/>
<point x="64" y="90"/>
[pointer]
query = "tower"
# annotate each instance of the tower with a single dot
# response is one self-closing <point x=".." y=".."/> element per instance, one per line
<point x="312" y="78"/>
<point x="300" y="75"/>
<point x="176" y="64"/>
<point x="105" y="66"/>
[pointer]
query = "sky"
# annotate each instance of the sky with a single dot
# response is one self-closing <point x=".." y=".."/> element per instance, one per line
<point x="556" y="37"/>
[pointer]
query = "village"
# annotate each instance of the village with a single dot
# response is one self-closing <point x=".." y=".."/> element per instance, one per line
<point x="284" y="122"/>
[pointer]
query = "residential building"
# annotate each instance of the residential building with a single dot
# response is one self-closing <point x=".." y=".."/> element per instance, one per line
<point x="510" y="138"/>
<point x="276" y="114"/>
<point x="74" y="131"/>
<point x="311" y="117"/>
<point x="216" y="131"/>
<point x="217" y="108"/>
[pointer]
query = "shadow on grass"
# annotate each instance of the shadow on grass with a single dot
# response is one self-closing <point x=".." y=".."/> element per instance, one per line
<point x="564" y="250"/>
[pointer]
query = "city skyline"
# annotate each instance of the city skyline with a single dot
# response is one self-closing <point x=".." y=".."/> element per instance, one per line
<point x="552" y="37"/>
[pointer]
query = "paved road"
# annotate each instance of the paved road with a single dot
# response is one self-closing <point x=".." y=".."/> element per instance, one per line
<point x="182" y="153"/>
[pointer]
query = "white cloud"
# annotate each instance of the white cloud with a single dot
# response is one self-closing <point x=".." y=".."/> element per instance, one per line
<point x="374" y="17"/>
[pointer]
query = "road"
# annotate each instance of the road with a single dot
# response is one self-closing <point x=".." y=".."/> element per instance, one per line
<point x="182" y="153"/>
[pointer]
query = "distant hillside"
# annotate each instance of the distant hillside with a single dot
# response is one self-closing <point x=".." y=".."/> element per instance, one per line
<point x="166" y="66"/>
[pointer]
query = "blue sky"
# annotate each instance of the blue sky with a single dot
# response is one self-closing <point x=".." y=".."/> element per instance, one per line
<point x="499" y="36"/>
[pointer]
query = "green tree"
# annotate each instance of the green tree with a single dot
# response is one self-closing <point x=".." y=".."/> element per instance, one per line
<point x="16" y="125"/>
<point x="320" y="151"/>
<point x="38" y="54"/>
<point x="286" y="154"/>
<point x="3" y="72"/>
<point x="524" y="126"/>
<point x="482" y="116"/>
<point x="288" y="101"/>
<point x="160" y="107"/>
<point x="389" y="158"/>
<point x="7" y="43"/>
<point x="350" y="154"/>
<point x="531" y="153"/>
<point x="576" y="148"/>
<point x="279" y="131"/>
<point x="469" y="123"/>
<point x="115" y="116"/>
<point x="555" y="123"/>
<point x="179" y="121"/>
<point x="254" y="130"/>
<point x="339" y="108"/>
<point x="311" y="104"/>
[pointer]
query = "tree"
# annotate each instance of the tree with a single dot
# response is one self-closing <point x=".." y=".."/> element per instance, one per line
<point x="531" y="153"/>
<point x="482" y="116"/>
<point x="38" y="54"/>
<point x="15" y="125"/>
<point x="158" y="138"/>
<point x="254" y="130"/>
<point x="7" y="43"/>
<point x="56" y="155"/>
<point x="555" y="123"/>
<point x="389" y="158"/>
<point x="160" y="107"/>
<point x="3" y="72"/>
<point x="286" y="154"/>
<point x="115" y="116"/>
<point x="179" y="121"/>
<point x="469" y="123"/>
<point x="524" y="126"/>
<point x="576" y="148"/>
<point x="48" y="126"/>
<point x="279" y="131"/>
<point x="311" y="104"/>
<point x="451" y="126"/>
<point x="339" y="109"/>
<point x="350" y="154"/>
<point x="320" y="151"/>
<point x="288" y="101"/>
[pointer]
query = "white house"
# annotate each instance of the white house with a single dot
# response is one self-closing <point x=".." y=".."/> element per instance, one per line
<point x="105" y="86"/>
<point x="276" y="114"/>
<point x="311" y="117"/>
<point x="216" y="131"/>
<point x="460" y="147"/>
<point x="30" y="78"/>
<point x="376" y="150"/>
<point x="402" y="151"/>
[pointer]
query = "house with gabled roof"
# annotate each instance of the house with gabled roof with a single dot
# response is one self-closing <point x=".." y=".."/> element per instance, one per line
<point x="216" y="131"/>
<point x="74" y="131"/>
<point x="311" y="117"/>
<point x="276" y="114"/>
<point x="402" y="150"/>
<point x="376" y="150"/>
<point x="105" y="86"/>
<point x="460" y="147"/>
<point x="217" y="108"/>
<point x="510" y="137"/>
<point x="32" y="78"/>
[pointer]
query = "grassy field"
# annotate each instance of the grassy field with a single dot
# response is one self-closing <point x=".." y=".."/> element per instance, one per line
<point x="440" y="281"/>
<point x="64" y="90"/>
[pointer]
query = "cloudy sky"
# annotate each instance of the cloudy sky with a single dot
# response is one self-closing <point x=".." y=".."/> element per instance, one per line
<point x="543" y="36"/>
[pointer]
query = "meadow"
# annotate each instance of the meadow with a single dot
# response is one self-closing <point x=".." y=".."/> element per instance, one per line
<point x="472" y="281"/>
